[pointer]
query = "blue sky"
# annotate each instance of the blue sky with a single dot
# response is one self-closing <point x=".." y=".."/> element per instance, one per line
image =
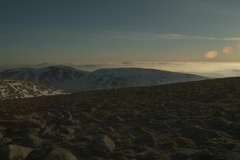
<point x="101" y="31"/>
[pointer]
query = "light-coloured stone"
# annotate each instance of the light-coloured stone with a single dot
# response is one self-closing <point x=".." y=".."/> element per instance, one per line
<point x="16" y="151"/>
<point x="60" y="154"/>
<point x="32" y="141"/>
<point x="104" y="145"/>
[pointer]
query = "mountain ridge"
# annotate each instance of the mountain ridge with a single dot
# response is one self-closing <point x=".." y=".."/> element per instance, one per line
<point x="73" y="80"/>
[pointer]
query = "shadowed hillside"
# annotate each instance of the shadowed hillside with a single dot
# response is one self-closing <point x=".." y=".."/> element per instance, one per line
<point x="182" y="121"/>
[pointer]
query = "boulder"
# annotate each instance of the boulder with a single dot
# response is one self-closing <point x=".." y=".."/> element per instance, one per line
<point x="145" y="139"/>
<point x="104" y="145"/>
<point x="94" y="158"/>
<point x="34" y="131"/>
<point x="60" y="154"/>
<point x="37" y="123"/>
<point x="31" y="141"/>
<point x="16" y="151"/>
<point x="67" y="130"/>
<point x="160" y="126"/>
<point x="197" y="134"/>
<point x="185" y="142"/>
<point x="183" y="154"/>
<point x="123" y="158"/>
<point x="234" y="154"/>
<point x="219" y="123"/>
<point x="206" y="155"/>
<point x="68" y="115"/>
<point x="115" y="119"/>
<point x="4" y="141"/>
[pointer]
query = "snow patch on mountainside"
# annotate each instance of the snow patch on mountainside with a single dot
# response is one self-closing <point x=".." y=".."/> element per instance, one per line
<point x="12" y="89"/>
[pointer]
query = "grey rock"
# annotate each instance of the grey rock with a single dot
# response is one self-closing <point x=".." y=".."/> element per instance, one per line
<point x="18" y="117"/>
<point x="94" y="158"/>
<point x="51" y="126"/>
<point x="38" y="123"/>
<point x="169" y="146"/>
<point x="47" y="131"/>
<point x="122" y="158"/>
<point x="202" y="155"/>
<point x="129" y="153"/>
<point x="4" y="141"/>
<point x="67" y="130"/>
<point x="59" y="114"/>
<point x="63" y="136"/>
<point x="104" y="145"/>
<point x="16" y="151"/>
<point x="234" y="154"/>
<point x="31" y="141"/>
<point x="160" y="126"/>
<point x="145" y="139"/>
<point x="115" y="119"/>
<point x="32" y="130"/>
<point x="2" y="128"/>
<point x="183" y="154"/>
<point x="185" y="142"/>
<point x="35" y="115"/>
<point x="128" y="131"/>
<point x="198" y="135"/>
<point x="152" y="155"/>
<point x="109" y="129"/>
<point x="219" y="123"/>
<point x="36" y="154"/>
<point x="68" y="115"/>
<point x="67" y="122"/>
<point x="77" y="121"/>
<point x="60" y="154"/>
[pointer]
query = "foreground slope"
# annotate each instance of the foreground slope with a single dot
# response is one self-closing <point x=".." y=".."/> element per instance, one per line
<point x="182" y="121"/>
<point x="12" y="89"/>
<point x="73" y="80"/>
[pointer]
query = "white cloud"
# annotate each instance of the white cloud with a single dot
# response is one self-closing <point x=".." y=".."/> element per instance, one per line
<point x="155" y="36"/>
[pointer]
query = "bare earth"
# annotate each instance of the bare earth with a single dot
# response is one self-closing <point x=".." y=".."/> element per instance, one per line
<point x="184" y="121"/>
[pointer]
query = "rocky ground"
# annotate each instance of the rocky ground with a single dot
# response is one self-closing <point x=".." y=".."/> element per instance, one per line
<point x="184" y="121"/>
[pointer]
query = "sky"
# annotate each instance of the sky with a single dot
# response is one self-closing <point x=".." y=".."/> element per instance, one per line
<point x="104" y="31"/>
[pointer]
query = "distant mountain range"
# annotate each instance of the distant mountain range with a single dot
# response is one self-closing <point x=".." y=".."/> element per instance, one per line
<point x="73" y="80"/>
<point x="13" y="88"/>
